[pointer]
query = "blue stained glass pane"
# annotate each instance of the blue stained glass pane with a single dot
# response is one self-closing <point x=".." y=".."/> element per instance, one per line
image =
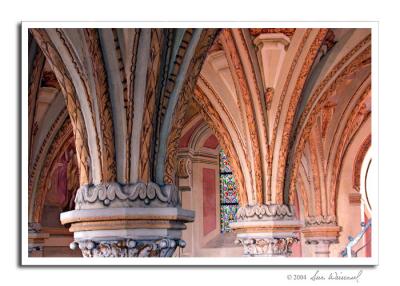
<point x="228" y="189"/>
<point x="228" y="214"/>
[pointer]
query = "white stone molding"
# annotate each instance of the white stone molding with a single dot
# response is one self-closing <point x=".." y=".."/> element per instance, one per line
<point x="272" y="211"/>
<point x="131" y="195"/>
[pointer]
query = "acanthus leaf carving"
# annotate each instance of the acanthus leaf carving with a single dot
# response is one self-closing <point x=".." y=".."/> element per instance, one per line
<point x="267" y="246"/>
<point x="163" y="247"/>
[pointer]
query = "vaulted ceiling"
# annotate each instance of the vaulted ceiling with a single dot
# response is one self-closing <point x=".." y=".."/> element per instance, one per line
<point x="285" y="104"/>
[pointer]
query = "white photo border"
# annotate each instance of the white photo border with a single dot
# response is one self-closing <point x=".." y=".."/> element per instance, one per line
<point x="199" y="261"/>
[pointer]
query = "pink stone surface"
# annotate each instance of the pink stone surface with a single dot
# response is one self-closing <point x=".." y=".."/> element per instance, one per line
<point x="184" y="141"/>
<point x="209" y="202"/>
<point x="211" y="142"/>
<point x="296" y="249"/>
<point x="368" y="248"/>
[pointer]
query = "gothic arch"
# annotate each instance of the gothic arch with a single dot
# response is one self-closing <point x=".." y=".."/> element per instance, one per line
<point x="73" y="104"/>
<point x="320" y="116"/>
<point x="60" y="143"/>
<point x="185" y="81"/>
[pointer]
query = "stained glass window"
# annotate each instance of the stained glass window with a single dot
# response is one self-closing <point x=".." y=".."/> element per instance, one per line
<point x="228" y="193"/>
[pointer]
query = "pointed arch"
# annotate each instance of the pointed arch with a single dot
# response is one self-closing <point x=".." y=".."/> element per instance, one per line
<point x="72" y="102"/>
<point x="319" y="111"/>
<point x="172" y="122"/>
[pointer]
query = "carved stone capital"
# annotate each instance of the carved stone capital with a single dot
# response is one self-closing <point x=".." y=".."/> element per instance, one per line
<point x="164" y="247"/>
<point x="266" y="230"/>
<point x="114" y="220"/>
<point x="267" y="246"/>
<point x="116" y="195"/>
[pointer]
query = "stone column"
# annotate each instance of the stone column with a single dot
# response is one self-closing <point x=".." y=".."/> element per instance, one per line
<point x="134" y="220"/>
<point x="266" y="230"/>
<point x="36" y="240"/>
<point x="320" y="234"/>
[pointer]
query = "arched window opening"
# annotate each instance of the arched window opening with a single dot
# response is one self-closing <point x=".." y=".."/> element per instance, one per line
<point x="229" y="203"/>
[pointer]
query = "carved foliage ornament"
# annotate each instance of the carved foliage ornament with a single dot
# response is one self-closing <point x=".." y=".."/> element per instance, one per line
<point x="129" y="247"/>
<point x="267" y="246"/>
<point x="138" y="194"/>
<point x="255" y="32"/>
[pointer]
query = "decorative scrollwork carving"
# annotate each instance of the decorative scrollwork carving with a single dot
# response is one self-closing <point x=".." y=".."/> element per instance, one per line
<point x="262" y="211"/>
<point x="184" y="167"/>
<point x="320" y="220"/>
<point x="138" y="194"/>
